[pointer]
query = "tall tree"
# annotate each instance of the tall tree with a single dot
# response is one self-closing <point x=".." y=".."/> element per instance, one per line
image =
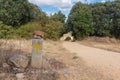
<point x="116" y="18"/>
<point x="106" y="19"/>
<point x="38" y="15"/>
<point x="14" y="12"/>
<point x="17" y="12"/>
<point x="102" y="19"/>
<point x="58" y="17"/>
<point x="80" y="20"/>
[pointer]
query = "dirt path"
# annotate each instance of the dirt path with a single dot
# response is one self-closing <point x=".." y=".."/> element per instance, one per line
<point x="105" y="62"/>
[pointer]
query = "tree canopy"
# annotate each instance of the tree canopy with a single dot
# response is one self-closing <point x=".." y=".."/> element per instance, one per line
<point x="58" y="17"/>
<point x="80" y="20"/>
<point x="98" y="19"/>
<point x="18" y="12"/>
<point x="106" y="19"/>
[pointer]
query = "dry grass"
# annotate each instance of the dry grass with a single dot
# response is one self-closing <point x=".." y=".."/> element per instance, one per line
<point x="49" y="71"/>
<point x="58" y="63"/>
<point x="106" y="43"/>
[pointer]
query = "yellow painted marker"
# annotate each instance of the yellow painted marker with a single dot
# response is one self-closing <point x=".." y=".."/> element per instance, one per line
<point x="37" y="47"/>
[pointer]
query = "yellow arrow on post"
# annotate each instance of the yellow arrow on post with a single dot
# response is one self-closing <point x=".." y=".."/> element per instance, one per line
<point x="37" y="47"/>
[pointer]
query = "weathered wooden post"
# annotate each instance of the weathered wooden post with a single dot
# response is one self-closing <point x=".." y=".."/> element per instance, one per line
<point x="37" y="45"/>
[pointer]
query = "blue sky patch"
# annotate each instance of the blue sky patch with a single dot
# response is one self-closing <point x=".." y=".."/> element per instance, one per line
<point x="53" y="6"/>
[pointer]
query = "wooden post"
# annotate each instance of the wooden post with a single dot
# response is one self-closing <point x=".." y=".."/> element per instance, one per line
<point x="37" y="45"/>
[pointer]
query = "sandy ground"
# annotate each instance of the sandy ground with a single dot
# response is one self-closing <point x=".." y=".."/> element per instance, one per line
<point x="81" y="62"/>
<point x="105" y="62"/>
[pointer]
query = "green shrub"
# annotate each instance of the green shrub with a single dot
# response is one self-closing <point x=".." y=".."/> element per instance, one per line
<point x="53" y="30"/>
<point x="25" y="31"/>
<point x="6" y="31"/>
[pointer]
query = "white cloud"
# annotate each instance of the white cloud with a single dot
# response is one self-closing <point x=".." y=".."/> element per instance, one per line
<point x="50" y="13"/>
<point x="103" y="1"/>
<point x="83" y="1"/>
<point x="63" y="5"/>
<point x="65" y="9"/>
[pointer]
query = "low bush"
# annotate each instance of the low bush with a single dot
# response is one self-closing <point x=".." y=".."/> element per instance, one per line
<point x="25" y="31"/>
<point x="53" y="30"/>
<point x="6" y="31"/>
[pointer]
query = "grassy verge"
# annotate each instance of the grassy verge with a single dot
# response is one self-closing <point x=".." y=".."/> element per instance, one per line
<point x="109" y="44"/>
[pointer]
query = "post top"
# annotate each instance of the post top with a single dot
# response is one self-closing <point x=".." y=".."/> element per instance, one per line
<point x="38" y="34"/>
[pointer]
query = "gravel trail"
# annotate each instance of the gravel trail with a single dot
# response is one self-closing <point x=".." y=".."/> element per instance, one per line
<point x="105" y="62"/>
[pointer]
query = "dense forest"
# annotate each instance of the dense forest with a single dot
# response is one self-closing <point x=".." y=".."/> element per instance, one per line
<point x="19" y="18"/>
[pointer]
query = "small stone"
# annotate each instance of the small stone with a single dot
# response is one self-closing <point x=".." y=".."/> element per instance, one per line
<point x="19" y="61"/>
<point x="5" y="65"/>
<point x="32" y="72"/>
<point x="18" y="70"/>
<point x="2" y="75"/>
<point x="20" y="76"/>
<point x="45" y="71"/>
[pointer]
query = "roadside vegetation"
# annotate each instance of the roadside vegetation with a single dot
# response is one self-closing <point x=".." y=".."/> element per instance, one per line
<point x="106" y="43"/>
<point x="18" y="19"/>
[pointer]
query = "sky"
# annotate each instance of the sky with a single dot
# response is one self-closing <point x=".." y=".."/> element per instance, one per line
<point x="53" y="6"/>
